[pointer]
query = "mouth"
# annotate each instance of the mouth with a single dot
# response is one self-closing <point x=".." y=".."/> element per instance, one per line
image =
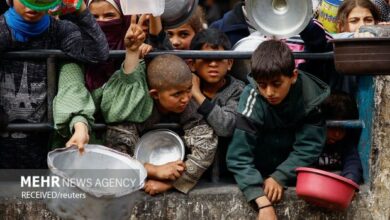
<point x="213" y="73"/>
<point x="272" y="100"/>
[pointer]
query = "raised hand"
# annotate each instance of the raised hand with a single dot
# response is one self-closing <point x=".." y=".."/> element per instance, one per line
<point x="135" y="37"/>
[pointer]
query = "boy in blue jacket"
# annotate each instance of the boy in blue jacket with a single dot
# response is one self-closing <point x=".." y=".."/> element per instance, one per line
<point x="279" y="126"/>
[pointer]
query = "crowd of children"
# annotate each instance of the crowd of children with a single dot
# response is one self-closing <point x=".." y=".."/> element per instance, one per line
<point x="266" y="124"/>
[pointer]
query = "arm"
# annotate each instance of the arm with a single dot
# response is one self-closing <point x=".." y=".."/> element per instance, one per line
<point x="316" y="38"/>
<point x="125" y="96"/>
<point x="202" y="143"/>
<point x="221" y="118"/>
<point x="73" y="103"/>
<point x="309" y="141"/>
<point x="352" y="166"/>
<point x="157" y="37"/>
<point x="80" y="37"/>
<point x="240" y="159"/>
<point x="73" y="107"/>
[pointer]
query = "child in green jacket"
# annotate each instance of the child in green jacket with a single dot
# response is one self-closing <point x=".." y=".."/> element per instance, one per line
<point x="279" y="126"/>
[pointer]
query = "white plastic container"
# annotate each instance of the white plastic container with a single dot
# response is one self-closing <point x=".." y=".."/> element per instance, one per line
<point x="133" y="7"/>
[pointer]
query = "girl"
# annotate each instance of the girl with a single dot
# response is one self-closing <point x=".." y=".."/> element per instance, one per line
<point x="181" y="37"/>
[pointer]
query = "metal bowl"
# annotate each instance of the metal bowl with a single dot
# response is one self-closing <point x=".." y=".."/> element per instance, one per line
<point x="159" y="147"/>
<point x="281" y="18"/>
<point x="96" y="201"/>
<point x="177" y="12"/>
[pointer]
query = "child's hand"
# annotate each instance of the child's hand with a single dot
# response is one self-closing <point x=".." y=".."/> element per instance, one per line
<point x="80" y="136"/>
<point x="273" y="190"/>
<point x="134" y="35"/>
<point x="196" y="92"/>
<point x="144" y="49"/>
<point x="266" y="210"/>
<point x="154" y="187"/>
<point x="168" y="171"/>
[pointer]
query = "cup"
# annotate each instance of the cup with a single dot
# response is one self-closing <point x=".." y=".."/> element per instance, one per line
<point x="328" y="13"/>
<point x="134" y="7"/>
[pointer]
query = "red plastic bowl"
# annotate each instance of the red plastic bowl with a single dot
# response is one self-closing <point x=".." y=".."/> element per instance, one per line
<point x="325" y="189"/>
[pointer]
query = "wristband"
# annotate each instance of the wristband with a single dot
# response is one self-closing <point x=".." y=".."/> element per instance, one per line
<point x="264" y="206"/>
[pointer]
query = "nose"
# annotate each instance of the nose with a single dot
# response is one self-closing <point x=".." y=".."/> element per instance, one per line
<point x="186" y="98"/>
<point x="175" y="41"/>
<point x="100" y="18"/>
<point x="269" y="92"/>
<point x="213" y="63"/>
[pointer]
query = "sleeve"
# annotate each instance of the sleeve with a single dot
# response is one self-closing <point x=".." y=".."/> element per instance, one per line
<point x="316" y="38"/>
<point x="240" y="156"/>
<point x="160" y="42"/>
<point x="73" y="103"/>
<point x="202" y="142"/>
<point x="81" y="38"/>
<point x="221" y="118"/>
<point x="309" y="141"/>
<point x="122" y="137"/>
<point x="125" y="97"/>
<point x="240" y="159"/>
<point x="352" y="166"/>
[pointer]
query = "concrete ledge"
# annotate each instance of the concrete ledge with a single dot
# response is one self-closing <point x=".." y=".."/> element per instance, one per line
<point x="208" y="201"/>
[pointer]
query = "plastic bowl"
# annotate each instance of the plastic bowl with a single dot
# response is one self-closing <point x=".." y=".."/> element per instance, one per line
<point x="40" y="5"/>
<point x="325" y="189"/>
<point x="159" y="147"/>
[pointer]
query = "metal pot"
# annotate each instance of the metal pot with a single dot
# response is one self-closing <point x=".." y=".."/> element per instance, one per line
<point x="177" y="12"/>
<point x="97" y="164"/>
<point x="282" y="18"/>
<point x="159" y="147"/>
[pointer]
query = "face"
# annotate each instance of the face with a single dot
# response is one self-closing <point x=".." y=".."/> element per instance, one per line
<point x="103" y="11"/>
<point x="173" y="99"/>
<point x="211" y="70"/>
<point x="275" y="90"/>
<point x="26" y="13"/>
<point x="181" y="37"/>
<point x="358" y="17"/>
<point x="334" y="135"/>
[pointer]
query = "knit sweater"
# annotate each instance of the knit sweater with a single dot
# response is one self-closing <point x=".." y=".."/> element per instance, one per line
<point x="23" y="82"/>
<point x="220" y="112"/>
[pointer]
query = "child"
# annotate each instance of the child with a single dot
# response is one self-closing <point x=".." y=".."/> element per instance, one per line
<point x="216" y="92"/>
<point x="353" y="14"/>
<point x="279" y="126"/>
<point x="340" y="152"/>
<point x="181" y="36"/>
<point x="23" y="83"/>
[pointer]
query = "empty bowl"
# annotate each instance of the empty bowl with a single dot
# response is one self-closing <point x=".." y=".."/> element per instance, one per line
<point x="325" y="189"/>
<point x="159" y="147"/>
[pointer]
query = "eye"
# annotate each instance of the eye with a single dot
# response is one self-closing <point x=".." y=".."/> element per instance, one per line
<point x="184" y="34"/>
<point x="170" y="34"/>
<point x="276" y="84"/>
<point x="369" y="20"/>
<point x="263" y="85"/>
<point x="354" y="20"/>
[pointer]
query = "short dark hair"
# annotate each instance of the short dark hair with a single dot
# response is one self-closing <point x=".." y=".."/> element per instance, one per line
<point x="212" y="37"/>
<point x="348" y="5"/>
<point x="272" y="59"/>
<point x="167" y="71"/>
<point x="340" y="106"/>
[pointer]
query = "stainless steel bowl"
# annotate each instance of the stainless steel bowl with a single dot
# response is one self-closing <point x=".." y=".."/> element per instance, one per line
<point x="159" y="147"/>
<point x="101" y="201"/>
<point x="177" y="12"/>
<point x="282" y="18"/>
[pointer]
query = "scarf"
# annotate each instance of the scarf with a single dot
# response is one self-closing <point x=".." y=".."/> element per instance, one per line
<point x="22" y="30"/>
<point x="98" y="74"/>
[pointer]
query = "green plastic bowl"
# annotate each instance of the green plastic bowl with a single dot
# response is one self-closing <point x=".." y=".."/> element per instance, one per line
<point x="40" y="5"/>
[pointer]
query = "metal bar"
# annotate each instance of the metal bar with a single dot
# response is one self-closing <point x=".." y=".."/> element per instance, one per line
<point x="43" y="54"/>
<point x="51" y="86"/>
<point x="349" y="124"/>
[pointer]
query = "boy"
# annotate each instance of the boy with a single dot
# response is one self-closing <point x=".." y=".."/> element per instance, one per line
<point x="23" y="82"/>
<point x="279" y="127"/>
<point x="216" y="92"/>
<point x="340" y="151"/>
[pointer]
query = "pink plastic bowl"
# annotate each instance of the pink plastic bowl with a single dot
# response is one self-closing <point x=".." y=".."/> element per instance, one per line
<point x="325" y="189"/>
